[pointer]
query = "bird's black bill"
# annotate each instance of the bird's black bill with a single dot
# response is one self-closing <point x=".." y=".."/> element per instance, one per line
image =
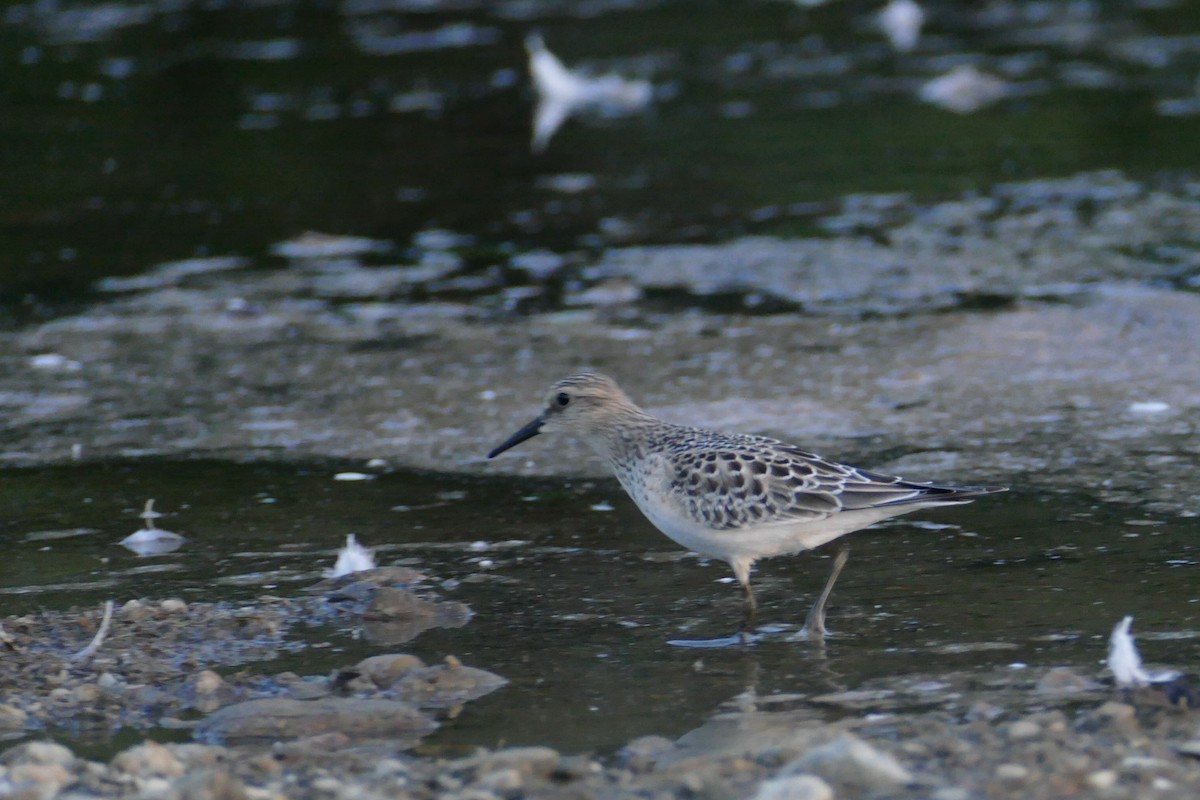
<point x="528" y="432"/>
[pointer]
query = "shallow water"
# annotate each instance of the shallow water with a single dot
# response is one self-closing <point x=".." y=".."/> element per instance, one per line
<point x="574" y="603"/>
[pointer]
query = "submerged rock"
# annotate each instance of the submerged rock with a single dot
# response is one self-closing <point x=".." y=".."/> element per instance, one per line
<point x="283" y="718"/>
<point x="849" y="761"/>
<point x="447" y="685"/>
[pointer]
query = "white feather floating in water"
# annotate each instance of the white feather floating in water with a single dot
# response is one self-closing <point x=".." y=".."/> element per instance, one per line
<point x="152" y="540"/>
<point x="563" y="92"/>
<point x="901" y="21"/>
<point x="351" y="558"/>
<point x="1126" y="664"/>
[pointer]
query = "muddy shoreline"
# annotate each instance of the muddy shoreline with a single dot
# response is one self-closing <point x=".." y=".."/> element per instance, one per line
<point x="1072" y="376"/>
<point x="1002" y="733"/>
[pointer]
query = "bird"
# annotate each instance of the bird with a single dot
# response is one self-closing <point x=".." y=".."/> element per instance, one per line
<point x="730" y="496"/>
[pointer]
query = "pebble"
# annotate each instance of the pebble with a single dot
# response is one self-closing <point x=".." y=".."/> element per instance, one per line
<point x="794" y="787"/>
<point x="85" y="693"/>
<point x="641" y="754"/>
<point x="40" y="781"/>
<point x="11" y="718"/>
<point x="1102" y="779"/>
<point x="385" y="670"/>
<point x="1023" y="729"/>
<point x="39" y="753"/>
<point x="1011" y="772"/>
<point x="148" y="759"/>
<point x="210" y="784"/>
<point x="447" y="685"/>
<point x="206" y="682"/>
<point x="850" y="761"/>
<point x="1063" y="681"/>
<point x="528" y="761"/>
<point x="951" y="793"/>
<point x="173" y="605"/>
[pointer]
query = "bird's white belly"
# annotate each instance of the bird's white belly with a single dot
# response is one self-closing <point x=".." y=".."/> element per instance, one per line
<point x="752" y="542"/>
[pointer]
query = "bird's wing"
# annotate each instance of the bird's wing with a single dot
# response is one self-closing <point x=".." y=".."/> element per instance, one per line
<point x="759" y="481"/>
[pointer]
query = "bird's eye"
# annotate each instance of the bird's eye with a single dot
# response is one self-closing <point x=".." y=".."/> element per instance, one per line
<point x="563" y="398"/>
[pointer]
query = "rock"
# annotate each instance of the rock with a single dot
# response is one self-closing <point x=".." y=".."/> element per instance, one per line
<point x="35" y="781"/>
<point x="775" y="735"/>
<point x="446" y="685"/>
<point x="173" y="605"/>
<point x="528" y="762"/>
<point x="209" y="784"/>
<point x="39" y="753"/>
<point x="389" y="604"/>
<point x="794" y="787"/>
<point x="856" y="700"/>
<point x="849" y="761"/>
<point x="148" y="759"/>
<point x="501" y="781"/>
<point x="1023" y="729"/>
<point x="285" y="718"/>
<point x="85" y="693"/>
<point x="1062" y="681"/>
<point x="951" y="793"/>
<point x="1011" y="773"/>
<point x="206" y="682"/>
<point x="1102" y="779"/>
<point x="11" y="718"/>
<point x="1121" y="716"/>
<point x="394" y="617"/>
<point x="641" y="754"/>
<point x="387" y="669"/>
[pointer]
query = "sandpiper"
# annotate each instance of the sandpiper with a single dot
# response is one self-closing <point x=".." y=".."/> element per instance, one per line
<point x="731" y="496"/>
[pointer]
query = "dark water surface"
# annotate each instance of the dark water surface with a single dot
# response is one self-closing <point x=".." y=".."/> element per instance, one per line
<point x="575" y="605"/>
<point x="141" y="132"/>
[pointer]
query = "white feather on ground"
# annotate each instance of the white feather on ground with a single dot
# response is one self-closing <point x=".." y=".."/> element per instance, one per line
<point x="1126" y="663"/>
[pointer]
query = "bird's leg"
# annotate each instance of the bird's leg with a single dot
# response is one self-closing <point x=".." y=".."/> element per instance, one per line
<point x="741" y="571"/>
<point x="814" y="624"/>
<point x="749" y="608"/>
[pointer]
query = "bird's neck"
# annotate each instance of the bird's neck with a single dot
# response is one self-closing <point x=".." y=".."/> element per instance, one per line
<point x="625" y="437"/>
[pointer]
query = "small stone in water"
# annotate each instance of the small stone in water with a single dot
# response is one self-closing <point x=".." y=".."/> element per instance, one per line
<point x="353" y="476"/>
